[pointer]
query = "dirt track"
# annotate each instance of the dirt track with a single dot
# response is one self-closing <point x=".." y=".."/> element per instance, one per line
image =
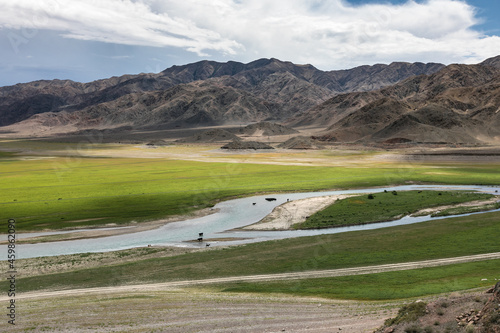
<point x="266" y="277"/>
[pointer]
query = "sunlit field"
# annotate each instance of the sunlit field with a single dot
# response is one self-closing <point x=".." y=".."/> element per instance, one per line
<point x="66" y="186"/>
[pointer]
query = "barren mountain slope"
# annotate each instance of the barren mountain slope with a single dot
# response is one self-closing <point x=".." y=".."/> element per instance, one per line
<point x="197" y="103"/>
<point x="458" y="104"/>
<point x="494" y="62"/>
<point x="368" y="78"/>
<point x="266" y="129"/>
<point x="295" y="87"/>
<point x="370" y="118"/>
<point x="432" y="123"/>
<point x="333" y="110"/>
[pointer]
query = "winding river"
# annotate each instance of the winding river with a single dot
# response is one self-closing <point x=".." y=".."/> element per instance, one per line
<point x="231" y="215"/>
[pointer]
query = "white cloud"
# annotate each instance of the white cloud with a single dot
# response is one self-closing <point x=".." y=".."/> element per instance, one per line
<point x="113" y="21"/>
<point x="335" y="34"/>
<point x="327" y="33"/>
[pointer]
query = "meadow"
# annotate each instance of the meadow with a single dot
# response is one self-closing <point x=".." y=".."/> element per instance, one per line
<point x="384" y="286"/>
<point x="59" y="190"/>
<point x="55" y="189"/>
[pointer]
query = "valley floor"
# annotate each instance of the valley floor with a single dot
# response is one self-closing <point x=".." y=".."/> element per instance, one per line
<point x="186" y="306"/>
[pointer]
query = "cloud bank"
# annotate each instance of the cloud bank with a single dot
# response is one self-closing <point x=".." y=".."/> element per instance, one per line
<point x="113" y="21"/>
<point x="326" y="33"/>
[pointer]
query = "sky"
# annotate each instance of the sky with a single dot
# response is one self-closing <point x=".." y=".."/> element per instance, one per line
<point x="86" y="40"/>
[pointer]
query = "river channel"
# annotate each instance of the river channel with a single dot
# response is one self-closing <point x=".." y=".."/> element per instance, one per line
<point x="230" y="215"/>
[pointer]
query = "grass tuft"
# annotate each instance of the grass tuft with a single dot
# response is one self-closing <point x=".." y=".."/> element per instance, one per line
<point x="408" y="313"/>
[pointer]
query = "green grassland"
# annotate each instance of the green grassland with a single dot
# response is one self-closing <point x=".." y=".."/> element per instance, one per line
<point x="384" y="206"/>
<point x="5" y="154"/>
<point x="55" y="192"/>
<point x="453" y="237"/>
<point x="385" y="286"/>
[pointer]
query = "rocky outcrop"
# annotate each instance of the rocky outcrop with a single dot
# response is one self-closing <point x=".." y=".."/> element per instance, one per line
<point x="453" y="314"/>
<point x="488" y="319"/>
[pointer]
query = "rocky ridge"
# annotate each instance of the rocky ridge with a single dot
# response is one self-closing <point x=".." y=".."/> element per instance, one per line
<point x="458" y="104"/>
<point x="400" y="102"/>
<point x="205" y="92"/>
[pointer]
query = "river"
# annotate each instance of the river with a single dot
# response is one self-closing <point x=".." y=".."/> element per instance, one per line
<point x="230" y="215"/>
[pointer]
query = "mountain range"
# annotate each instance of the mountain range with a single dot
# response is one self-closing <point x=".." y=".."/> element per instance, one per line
<point x="404" y="101"/>
<point x="459" y="104"/>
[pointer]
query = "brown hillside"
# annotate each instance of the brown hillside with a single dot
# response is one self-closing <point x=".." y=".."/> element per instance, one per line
<point x="367" y="120"/>
<point x="237" y="145"/>
<point x="301" y="142"/>
<point x="459" y="104"/>
<point x="267" y="129"/>
<point x="278" y="89"/>
<point x="213" y="135"/>
<point x="431" y="124"/>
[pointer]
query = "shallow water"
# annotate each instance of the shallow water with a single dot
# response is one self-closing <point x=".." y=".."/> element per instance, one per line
<point x="231" y="214"/>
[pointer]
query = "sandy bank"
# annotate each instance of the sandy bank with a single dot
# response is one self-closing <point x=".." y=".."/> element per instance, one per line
<point x="286" y="215"/>
<point x="293" y="212"/>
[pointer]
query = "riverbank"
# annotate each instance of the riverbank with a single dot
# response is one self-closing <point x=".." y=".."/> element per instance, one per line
<point x="228" y="223"/>
<point x="293" y="212"/>
<point x="285" y="216"/>
<point x="107" y="230"/>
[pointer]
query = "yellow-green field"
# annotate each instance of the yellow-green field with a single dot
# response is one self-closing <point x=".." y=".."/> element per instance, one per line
<point x="56" y="185"/>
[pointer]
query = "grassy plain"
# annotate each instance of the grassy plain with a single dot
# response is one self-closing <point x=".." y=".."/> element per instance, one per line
<point x="64" y="186"/>
<point x="384" y="206"/>
<point x="53" y="194"/>
<point x="446" y="238"/>
<point x="385" y="286"/>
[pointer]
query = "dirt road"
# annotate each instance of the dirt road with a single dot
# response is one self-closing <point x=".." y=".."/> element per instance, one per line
<point x="266" y="277"/>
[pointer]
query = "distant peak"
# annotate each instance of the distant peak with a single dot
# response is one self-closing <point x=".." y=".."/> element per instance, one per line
<point x="493" y="62"/>
<point x="260" y="62"/>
